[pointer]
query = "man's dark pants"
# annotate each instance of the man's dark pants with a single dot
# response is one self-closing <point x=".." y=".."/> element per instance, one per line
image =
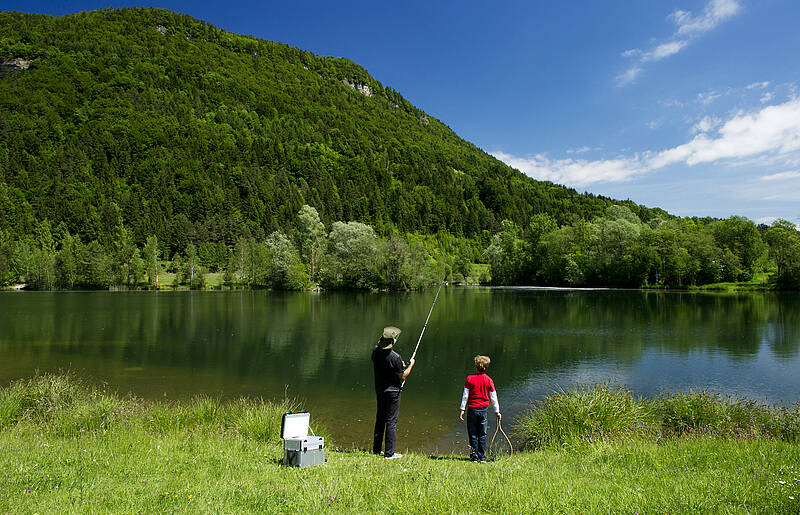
<point x="476" y="429"/>
<point x="386" y="421"/>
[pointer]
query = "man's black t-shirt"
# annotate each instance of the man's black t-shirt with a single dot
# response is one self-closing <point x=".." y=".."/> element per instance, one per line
<point x="387" y="364"/>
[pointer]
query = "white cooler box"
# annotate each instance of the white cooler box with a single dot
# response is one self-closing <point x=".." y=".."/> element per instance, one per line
<point x="299" y="449"/>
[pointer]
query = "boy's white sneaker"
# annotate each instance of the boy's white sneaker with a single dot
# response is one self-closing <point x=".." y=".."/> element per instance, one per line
<point x="394" y="456"/>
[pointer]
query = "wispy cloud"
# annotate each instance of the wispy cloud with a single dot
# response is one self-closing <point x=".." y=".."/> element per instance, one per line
<point x="782" y="176"/>
<point x="758" y="85"/>
<point x="714" y="13"/>
<point x="663" y="50"/>
<point x="581" y="150"/>
<point x="574" y="172"/>
<point x="689" y="27"/>
<point x="760" y="137"/>
<point x="708" y="97"/>
<point x="706" y="124"/>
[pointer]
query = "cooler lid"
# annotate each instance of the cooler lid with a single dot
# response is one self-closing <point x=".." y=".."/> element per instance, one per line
<point x="294" y="425"/>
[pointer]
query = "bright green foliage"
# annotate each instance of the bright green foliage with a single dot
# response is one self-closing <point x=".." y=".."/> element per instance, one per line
<point x="505" y="254"/>
<point x="191" y="273"/>
<point x="312" y="237"/>
<point x="152" y="266"/>
<point x="784" y="247"/>
<point x="619" y="249"/>
<point x="285" y="271"/>
<point x="352" y="257"/>
<point x="740" y="236"/>
<point x="194" y="134"/>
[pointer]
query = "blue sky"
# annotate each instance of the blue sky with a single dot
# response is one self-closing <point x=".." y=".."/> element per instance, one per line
<point x="687" y="105"/>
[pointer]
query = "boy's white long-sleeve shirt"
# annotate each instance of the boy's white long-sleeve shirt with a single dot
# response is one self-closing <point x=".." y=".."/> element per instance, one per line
<point x="492" y="399"/>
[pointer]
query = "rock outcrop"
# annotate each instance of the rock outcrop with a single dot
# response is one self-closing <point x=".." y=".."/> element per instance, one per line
<point x="358" y="86"/>
<point x="16" y="64"/>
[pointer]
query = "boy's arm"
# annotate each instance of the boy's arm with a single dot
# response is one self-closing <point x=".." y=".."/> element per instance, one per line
<point x="464" y="398"/>
<point x="495" y="403"/>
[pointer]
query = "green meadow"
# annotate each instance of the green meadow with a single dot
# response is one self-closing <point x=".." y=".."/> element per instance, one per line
<point x="66" y="447"/>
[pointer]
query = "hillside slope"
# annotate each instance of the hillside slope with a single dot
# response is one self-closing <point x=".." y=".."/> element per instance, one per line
<point x="191" y="133"/>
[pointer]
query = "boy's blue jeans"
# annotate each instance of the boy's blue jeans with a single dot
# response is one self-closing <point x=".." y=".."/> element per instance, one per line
<point x="476" y="429"/>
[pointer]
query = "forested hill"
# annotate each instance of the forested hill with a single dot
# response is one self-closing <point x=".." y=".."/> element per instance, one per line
<point x="184" y="131"/>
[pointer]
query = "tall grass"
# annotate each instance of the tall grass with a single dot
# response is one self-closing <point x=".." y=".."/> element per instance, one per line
<point x="599" y="412"/>
<point x="61" y="405"/>
<point x="585" y="413"/>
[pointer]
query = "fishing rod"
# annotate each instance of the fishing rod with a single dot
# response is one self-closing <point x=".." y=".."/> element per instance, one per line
<point x="426" y="320"/>
<point x="424" y="326"/>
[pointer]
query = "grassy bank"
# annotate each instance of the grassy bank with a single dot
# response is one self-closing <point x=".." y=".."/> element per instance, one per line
<point x="65" y="448"/>
<point x="760" y="282"/>
<point x="601" y="412"/>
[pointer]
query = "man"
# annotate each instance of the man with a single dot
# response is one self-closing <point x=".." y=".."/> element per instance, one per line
<point x="390" y="373"/>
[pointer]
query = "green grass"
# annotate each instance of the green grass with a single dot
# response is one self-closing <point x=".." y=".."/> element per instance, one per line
<point x="600" y="412"/>
<point x="206" y="456"/>
<point x="759" y="282"/>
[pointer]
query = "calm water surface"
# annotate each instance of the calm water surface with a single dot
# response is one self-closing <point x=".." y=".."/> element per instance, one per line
<point x="316" y="347"/>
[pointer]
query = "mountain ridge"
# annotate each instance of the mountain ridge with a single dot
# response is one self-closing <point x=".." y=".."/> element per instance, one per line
<point x="191" y="133"/>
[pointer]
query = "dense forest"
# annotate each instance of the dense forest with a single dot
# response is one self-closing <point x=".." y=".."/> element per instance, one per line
<point x="139" y="140"/>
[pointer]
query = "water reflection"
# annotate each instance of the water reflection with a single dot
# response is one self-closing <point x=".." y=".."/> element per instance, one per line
<point x="317" y="346"/>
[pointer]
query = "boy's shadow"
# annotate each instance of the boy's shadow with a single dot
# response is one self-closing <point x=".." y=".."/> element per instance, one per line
<point x="448" y="457"/>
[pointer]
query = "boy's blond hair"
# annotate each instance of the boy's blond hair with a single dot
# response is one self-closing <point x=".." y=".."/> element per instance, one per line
<point x="482" y="363"/>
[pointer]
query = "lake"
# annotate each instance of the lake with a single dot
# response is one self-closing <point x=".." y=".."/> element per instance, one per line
<point x="316" y="347"/>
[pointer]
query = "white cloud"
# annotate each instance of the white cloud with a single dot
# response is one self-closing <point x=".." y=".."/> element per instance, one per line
<point x="689" y="28"/>
<point x="774" y="129"/>
<point x="706" y="124"/>
<point x="758" y="138"/>
<point x="782" y="176"/>
<point x="766" y="98"/>
<point x="714" y="13"/>
<point x="663" y="50"/>
<point x="581" y="150"/>
<point x="575" y="172"/>
<point x="759" y="85"/>
<point x="707" y="98"/>
<point x="629" y="75"/>
<point x="785" y="196"/>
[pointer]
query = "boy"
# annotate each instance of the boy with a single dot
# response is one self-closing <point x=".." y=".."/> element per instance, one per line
<point x="478" y="393"/>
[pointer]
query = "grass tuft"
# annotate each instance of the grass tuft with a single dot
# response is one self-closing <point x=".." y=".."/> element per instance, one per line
<point x="600" y="412"/>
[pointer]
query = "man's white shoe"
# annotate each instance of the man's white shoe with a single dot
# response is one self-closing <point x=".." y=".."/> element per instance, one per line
<point x="393" y="456"/>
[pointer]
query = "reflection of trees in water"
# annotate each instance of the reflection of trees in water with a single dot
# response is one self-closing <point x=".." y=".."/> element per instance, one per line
<point x="309" y="338"/>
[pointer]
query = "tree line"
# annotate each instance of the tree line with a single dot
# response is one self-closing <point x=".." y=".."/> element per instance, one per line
<point x="619" y="249"/>
<point x="346" y="255"/>
<point x="615" y="250"/>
